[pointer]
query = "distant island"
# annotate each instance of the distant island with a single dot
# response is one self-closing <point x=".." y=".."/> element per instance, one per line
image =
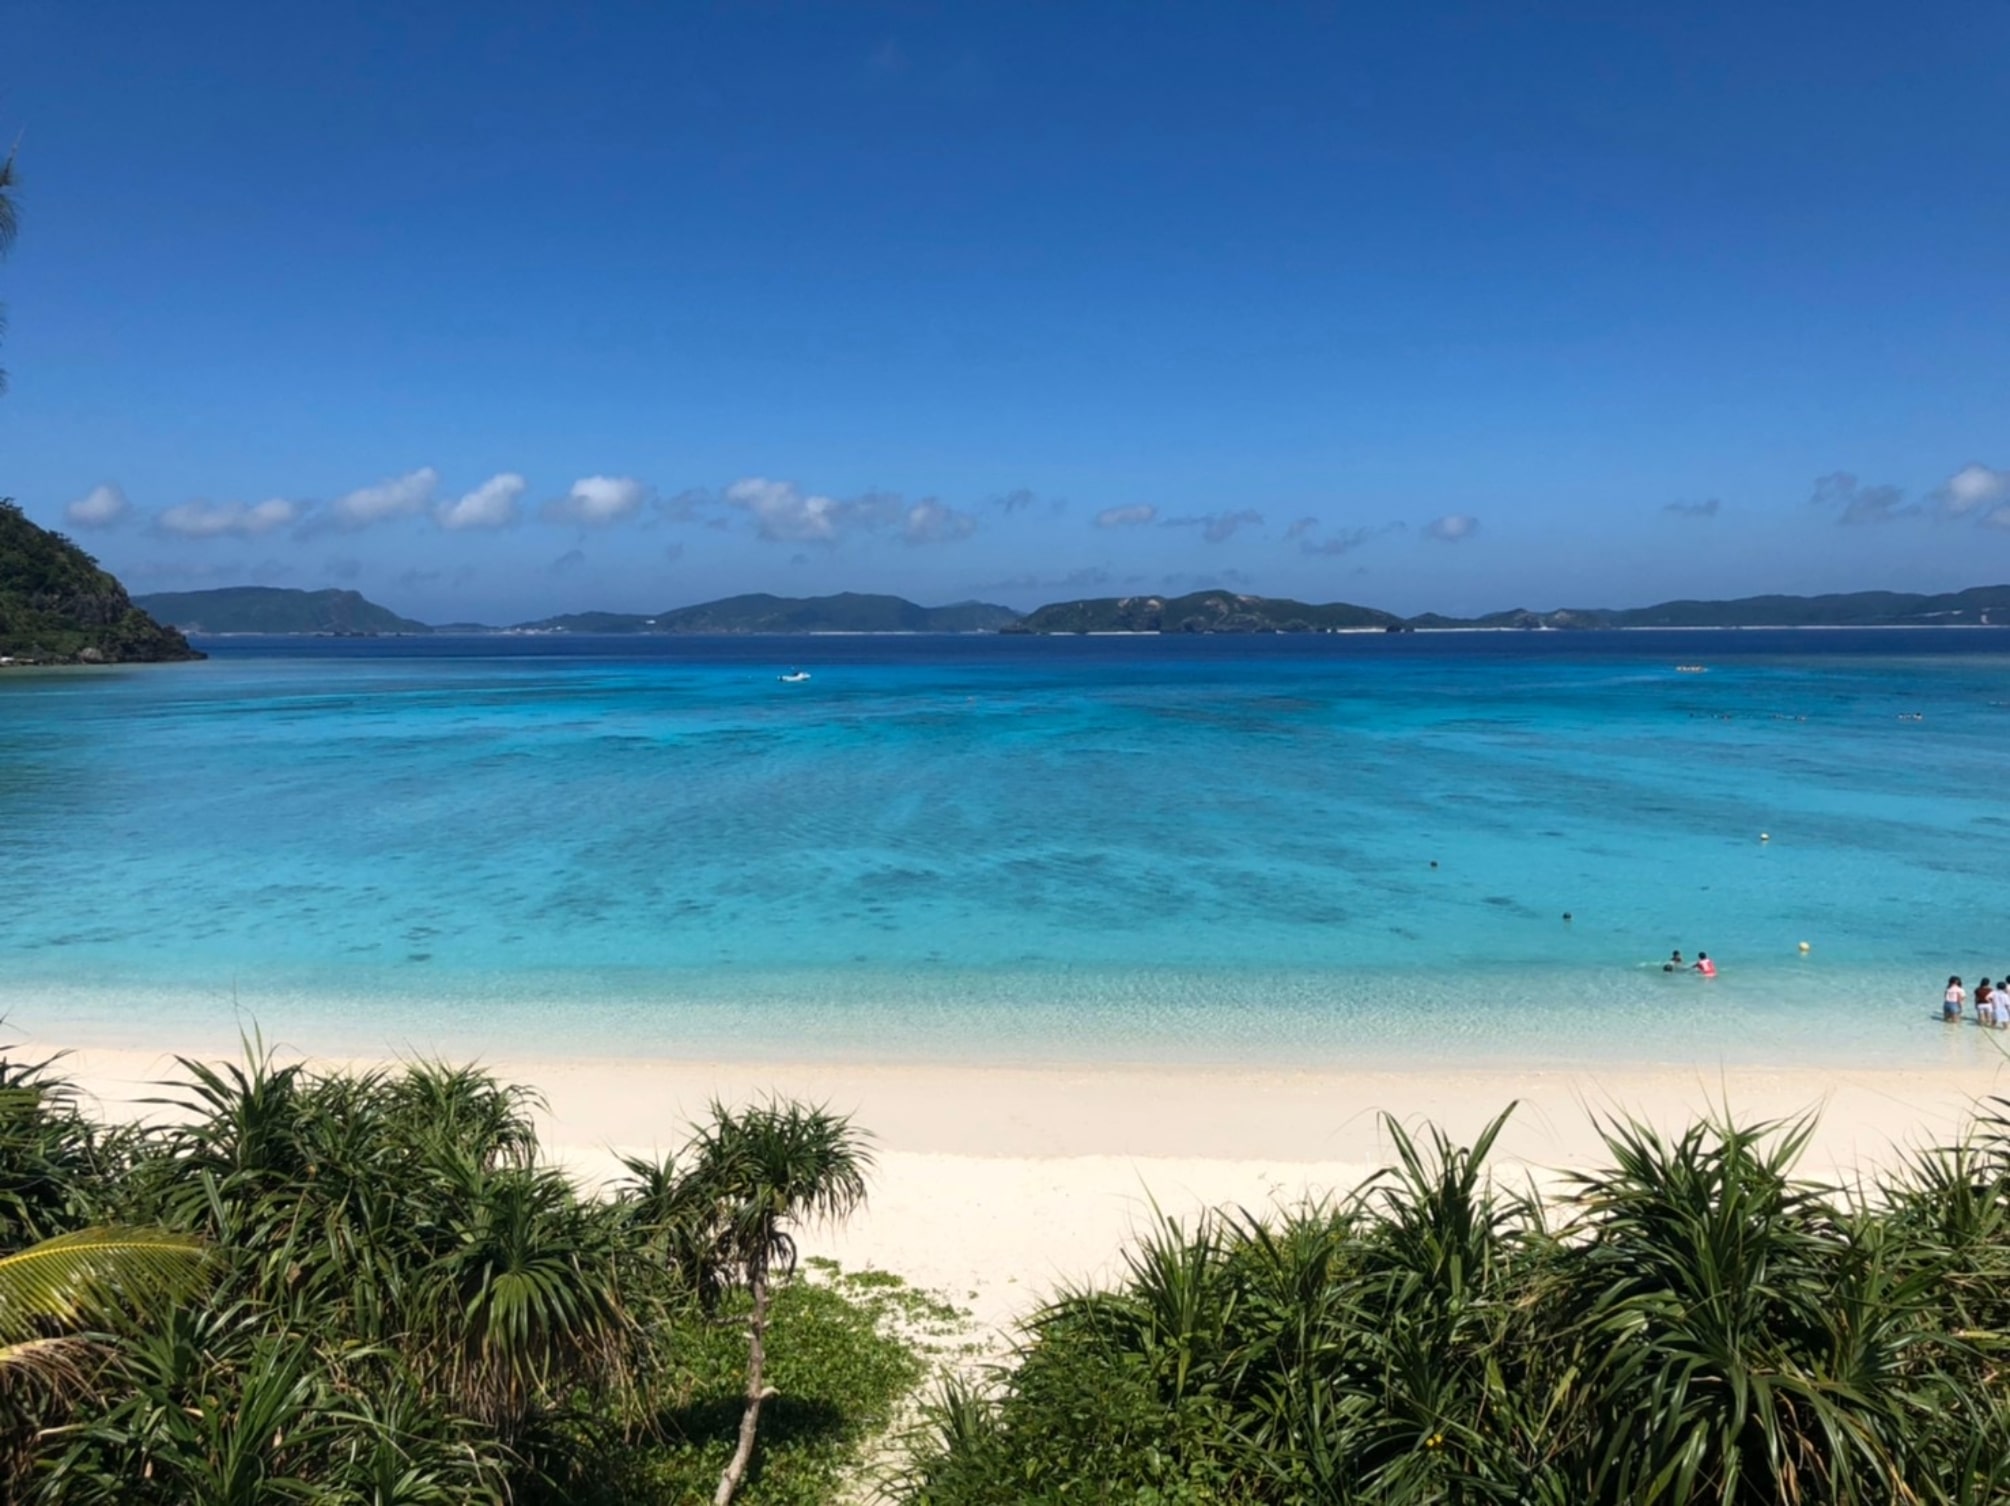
<point x="58" y="607"/>
<point x="1203" y="612"/>
<point x="267" y="609"/>
<point x="846" y="612"/>
<point x="1227" y="612"/>
<point x="271" y="609"/>
<point x="1979" y="606"/>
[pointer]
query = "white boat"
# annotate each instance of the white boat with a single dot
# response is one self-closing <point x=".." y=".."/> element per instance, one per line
<point x="794" y="677"/>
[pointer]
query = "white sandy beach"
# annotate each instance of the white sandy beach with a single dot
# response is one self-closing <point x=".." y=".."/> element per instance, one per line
<point x="995" y="1185"/>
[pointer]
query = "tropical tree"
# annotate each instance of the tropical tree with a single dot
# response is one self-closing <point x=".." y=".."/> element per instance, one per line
<point x="522" y="1299"/>
<point x="761" y="1171"/>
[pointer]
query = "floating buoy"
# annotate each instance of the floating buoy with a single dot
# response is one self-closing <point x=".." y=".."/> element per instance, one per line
<point x="1765" y="836"/>
<point x="1805" y="947"/>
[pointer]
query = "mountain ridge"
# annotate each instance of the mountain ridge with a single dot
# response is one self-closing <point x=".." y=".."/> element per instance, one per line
<point x="1977" y="606"/>
<point x="265" y="609"/>
<point x="276" y="609"/>
<point x="761" y="612"/>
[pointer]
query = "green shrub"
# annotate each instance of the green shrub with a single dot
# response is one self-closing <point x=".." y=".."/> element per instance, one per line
<point x="402" y="1305"/>
<point x="1698" y="1325"/>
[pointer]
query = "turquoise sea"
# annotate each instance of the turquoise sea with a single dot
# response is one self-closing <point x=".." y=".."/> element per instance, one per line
<point x="1011" y="849"/>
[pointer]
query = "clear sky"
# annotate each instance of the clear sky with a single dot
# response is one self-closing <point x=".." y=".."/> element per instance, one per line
<point x="500" y="309"/>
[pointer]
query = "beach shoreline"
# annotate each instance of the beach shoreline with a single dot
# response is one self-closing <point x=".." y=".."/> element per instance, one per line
<point x="997" y="1185"/>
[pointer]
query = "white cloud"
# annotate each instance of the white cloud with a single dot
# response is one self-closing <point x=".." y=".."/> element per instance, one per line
<point x="933" y="522"/>
<point x="2000" y="518"/>
<point x="1972" y="489"/>
<point x="493" y="504"/>
<point x="398" y="497"/>
<point x="211" y="520"/>
<point x="596" y="501"/>
<point x="1126" y="517"/>
<point x="784" y="513"/>
<point x="1452" y="527"/>
<point x="100" y="507"/>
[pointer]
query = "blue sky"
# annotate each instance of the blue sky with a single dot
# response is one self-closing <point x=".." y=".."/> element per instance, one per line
<point x="496" y="310"/>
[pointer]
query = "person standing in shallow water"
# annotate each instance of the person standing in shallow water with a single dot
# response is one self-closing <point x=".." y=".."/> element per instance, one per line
<point x="1951" y="1002"/>
<point x="1992" y="1004"/>
<point x="1705" y="966"/>
<point x="1675" y="964"/>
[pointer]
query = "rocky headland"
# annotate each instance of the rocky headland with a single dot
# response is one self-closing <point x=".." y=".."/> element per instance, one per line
<point x="58" y="607"/>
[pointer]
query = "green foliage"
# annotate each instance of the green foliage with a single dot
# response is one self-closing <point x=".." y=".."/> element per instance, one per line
<point x="51" y="1156"/>
<point x="841" y="1365"/>
<point x="758" y="1172"/>
<point x="75" y="1280"/>
<point x="1700" y="1325"/>
<point x="400" y="1304"/>
<point x="770" y="1165"/>
<point x="57" y="604"/>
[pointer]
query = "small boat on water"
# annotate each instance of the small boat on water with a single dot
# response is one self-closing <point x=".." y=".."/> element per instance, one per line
<point x="1692" y="669"/>
<point x="794" y="677"/>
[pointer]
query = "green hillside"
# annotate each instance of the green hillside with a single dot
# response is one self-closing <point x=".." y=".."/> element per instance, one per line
<point x="1203" y="612"/>
<point x="1849" y="609"/>
<point x="847" y="612"/>
<point x="58" y="607"/>
<point x="1977" y="606"/>
<point x="271" y="609"/>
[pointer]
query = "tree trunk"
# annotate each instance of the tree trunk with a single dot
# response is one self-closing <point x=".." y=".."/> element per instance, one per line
<point x="756" y="1393"/>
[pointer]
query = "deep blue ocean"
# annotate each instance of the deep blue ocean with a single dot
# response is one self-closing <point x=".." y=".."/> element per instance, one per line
<point x="1272" y="849"/>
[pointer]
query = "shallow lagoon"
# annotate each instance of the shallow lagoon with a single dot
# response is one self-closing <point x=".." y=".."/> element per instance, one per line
<point x="1019" y="849"/>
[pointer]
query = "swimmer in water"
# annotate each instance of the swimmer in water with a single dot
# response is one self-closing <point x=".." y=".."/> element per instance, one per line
<point x="1674" y="964"/>
<point x="1988" y="1000"/>
<point x="1705" y="966"/>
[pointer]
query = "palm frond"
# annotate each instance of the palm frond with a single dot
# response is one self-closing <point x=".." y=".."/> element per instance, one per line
<point x="85" y="1278"/>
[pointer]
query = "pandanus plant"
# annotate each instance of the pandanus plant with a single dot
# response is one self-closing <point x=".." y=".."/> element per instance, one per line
<point x="761" y="1171"/>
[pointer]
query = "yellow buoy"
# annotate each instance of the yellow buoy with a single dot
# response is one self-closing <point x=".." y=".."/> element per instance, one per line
<point x="1805" y="947"/>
